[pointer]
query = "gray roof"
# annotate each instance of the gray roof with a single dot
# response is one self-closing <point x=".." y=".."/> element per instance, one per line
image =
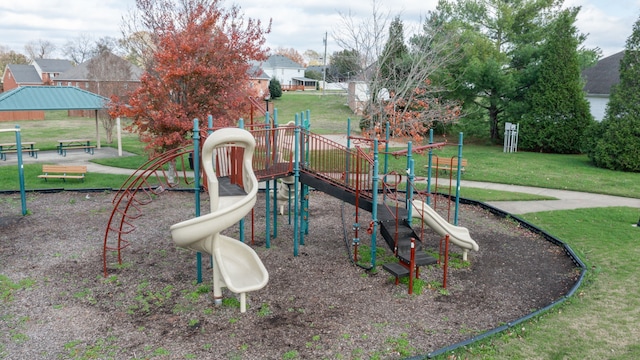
<point x="24" y="74"/>
<point x="256" y="72"/>
<point x="280" y="61"/>
<point x="81" y="72"/>
<point x="53" y="65"/>
<point x="601" y="77"/>
<point x="50" y="98"/>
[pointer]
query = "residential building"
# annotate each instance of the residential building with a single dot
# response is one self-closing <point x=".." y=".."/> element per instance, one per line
<point x="289" y="73"/>
<point x="599" y="80"/>
<point x="105" y="74"/>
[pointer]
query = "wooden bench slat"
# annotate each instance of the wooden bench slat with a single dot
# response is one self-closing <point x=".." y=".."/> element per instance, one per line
<point x="447" y="164"/>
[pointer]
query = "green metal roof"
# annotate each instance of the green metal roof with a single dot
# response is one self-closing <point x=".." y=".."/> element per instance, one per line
<point x="50" y="98"/>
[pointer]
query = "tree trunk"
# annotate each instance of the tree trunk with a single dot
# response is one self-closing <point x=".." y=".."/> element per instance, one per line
<point x="172" y="173"/>
<point x="494" y="122"/>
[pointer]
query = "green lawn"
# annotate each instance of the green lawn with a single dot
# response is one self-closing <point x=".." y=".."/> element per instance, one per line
<point x="599" y="322"/>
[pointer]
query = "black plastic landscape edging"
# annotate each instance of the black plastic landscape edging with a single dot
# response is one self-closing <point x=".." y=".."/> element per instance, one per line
<point x="567" y="249"/>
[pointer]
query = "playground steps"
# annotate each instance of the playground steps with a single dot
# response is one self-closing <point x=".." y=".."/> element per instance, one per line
<point x="405" y="233"/>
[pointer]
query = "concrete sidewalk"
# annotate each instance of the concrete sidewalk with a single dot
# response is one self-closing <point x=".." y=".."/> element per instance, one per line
<point x="566" y="199"/>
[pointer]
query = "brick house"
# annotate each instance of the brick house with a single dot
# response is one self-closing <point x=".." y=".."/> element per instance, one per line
<point x="105" y="74"/>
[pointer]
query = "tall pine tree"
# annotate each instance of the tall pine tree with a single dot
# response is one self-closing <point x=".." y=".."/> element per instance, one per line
<point x="615" y="142"/>
<point x="558" y="112"/>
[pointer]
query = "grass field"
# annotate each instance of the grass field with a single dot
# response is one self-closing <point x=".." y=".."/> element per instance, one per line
<point x="599" y="322"/>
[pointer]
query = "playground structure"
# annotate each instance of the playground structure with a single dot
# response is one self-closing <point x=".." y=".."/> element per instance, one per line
<point x="302" y="161"/>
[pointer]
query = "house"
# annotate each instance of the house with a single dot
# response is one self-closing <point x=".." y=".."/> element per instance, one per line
<point x="259" y="80"/>
<point x="599" y="80"/>
<point x="105" y="74"/>
<point x="289" y="73"/>
<point x="40" y="72"/>
<point x="49" y="68"/>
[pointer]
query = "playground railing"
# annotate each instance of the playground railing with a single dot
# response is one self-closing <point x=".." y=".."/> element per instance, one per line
<point x="349" y="168"/>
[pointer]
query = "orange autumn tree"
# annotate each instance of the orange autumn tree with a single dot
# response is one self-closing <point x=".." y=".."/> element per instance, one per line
<point x="200" y="55"/>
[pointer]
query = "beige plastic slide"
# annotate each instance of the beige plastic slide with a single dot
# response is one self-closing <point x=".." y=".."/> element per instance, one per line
<point x="236" y="265"/>
<point x="284" y="190"/>
<point x="457" y="234"/>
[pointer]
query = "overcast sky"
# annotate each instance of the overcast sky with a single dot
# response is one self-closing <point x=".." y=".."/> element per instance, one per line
<point x="299" y="24"/>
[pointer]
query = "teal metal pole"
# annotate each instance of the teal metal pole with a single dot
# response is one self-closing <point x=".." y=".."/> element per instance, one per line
<point x="296" y="176"/>
<point x="455" y="217"/>
<point x="196" y="186"/>
<point x="267" y="185"/>
<point x="409" y="159"/>
<point x="241" y="223"/>
<point x="304" y="187"/>
<point x="410" y="189"/>
<point x="374" y="208"/>
<point x="23" y="196"/>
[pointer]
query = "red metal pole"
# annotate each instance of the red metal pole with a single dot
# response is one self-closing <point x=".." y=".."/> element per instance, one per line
<point x="446" y="261"/>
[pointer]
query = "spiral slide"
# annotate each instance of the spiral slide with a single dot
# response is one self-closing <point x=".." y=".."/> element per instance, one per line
<point x="236" y="265"/>
<point x="457" y="234"/>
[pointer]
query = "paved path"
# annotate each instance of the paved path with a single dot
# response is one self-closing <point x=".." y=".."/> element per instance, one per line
<point x="566" y="199"/>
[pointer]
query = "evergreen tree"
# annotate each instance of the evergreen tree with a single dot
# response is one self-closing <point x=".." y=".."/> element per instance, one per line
<point x="557" y="111"/>
<point x="393" y="67"/>
<point x="275" y="89"/>
<point x="615" y="142"/>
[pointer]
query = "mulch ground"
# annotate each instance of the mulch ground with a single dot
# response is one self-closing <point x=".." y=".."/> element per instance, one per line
<point x="316" y="305"/>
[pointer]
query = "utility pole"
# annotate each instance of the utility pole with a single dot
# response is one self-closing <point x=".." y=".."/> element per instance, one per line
<point x="324" y="67"/>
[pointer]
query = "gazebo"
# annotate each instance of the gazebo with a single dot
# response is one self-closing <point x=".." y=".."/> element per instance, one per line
<point x="53" y="98"/>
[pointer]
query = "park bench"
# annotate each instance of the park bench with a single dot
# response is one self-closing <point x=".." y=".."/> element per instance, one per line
<point x="63" y="172"/>
<point x="447" y="164"/>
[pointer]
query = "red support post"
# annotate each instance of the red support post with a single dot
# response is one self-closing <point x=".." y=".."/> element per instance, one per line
<point x="446" y="261"/>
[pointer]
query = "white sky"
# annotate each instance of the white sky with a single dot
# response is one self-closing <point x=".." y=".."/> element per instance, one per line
<point x="299" y="24"/>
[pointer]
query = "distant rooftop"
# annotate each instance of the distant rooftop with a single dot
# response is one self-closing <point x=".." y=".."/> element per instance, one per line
<point x="601" y="77"/>
<point x="50" y="98"/>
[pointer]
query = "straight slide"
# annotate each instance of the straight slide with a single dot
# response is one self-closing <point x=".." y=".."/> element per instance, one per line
<point x="457" y="234"/>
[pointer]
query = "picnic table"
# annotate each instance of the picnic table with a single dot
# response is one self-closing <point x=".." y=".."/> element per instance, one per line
<point x="71" y="144"/>
<point x="27" y="146"/>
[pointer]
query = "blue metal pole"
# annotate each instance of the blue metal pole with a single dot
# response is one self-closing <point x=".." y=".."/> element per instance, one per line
<point x="455" y="218"/>
<point x="196" y="185"/>
<point x="374" y="208"/>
